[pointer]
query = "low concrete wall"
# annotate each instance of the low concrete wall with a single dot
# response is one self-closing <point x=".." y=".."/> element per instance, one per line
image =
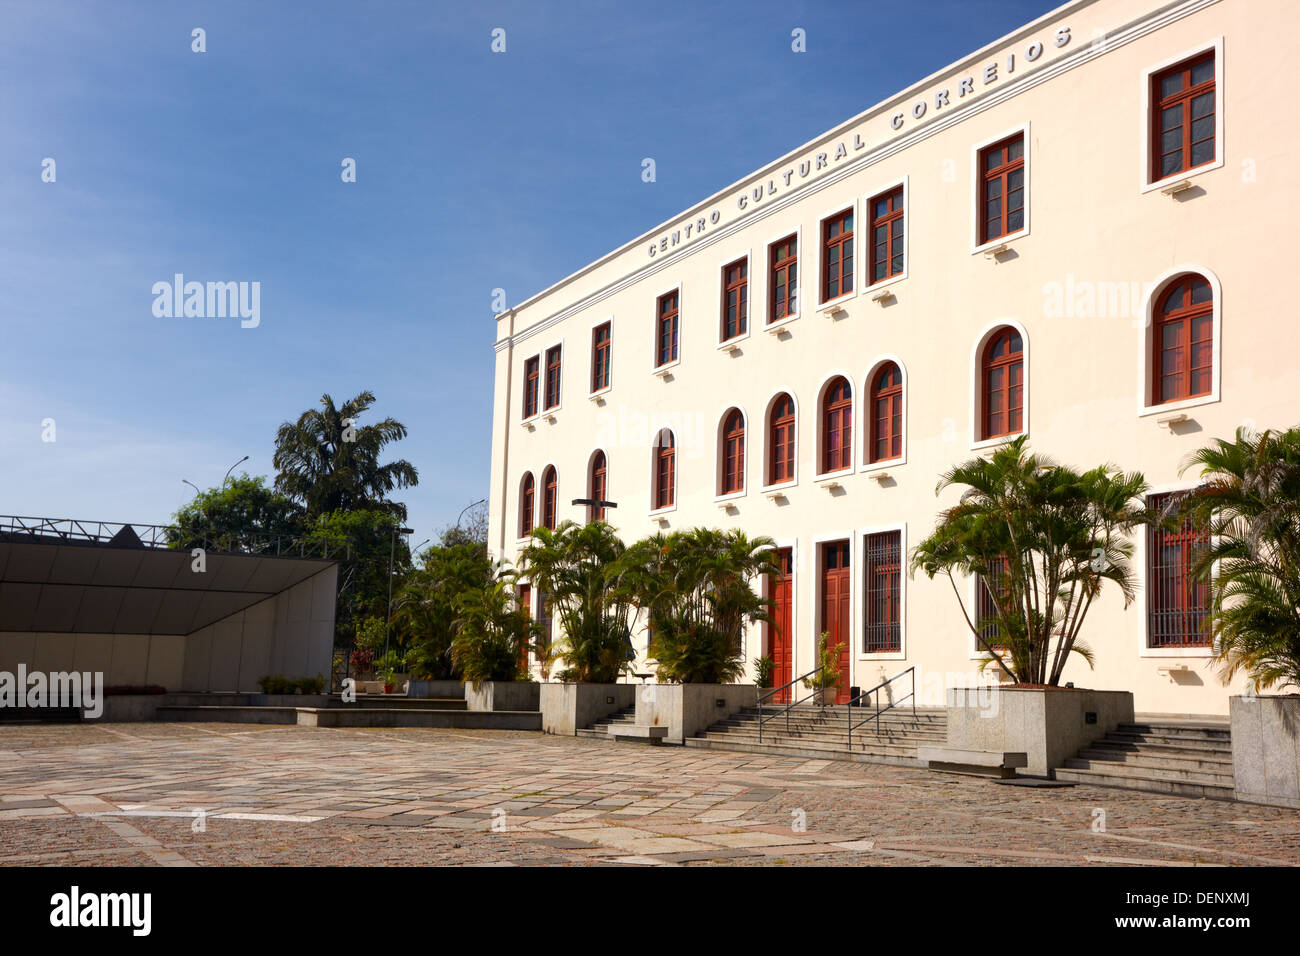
<point x="690" y="709"/>
<point x="126" y="708"/>
<point x="568" y="707"/>
<point x="1048" y="725"/>
<point x="503" y="695"/>
<point x="426" y="689"/>
<point x="1266" y="750"/>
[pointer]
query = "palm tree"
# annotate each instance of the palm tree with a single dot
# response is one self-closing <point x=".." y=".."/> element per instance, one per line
<point x="329" y="463"/>
<point x="575" y="566"/>
<point x="696" y="589"/>
<point x="492" y="631"/>
<point x="425" y="610"/>
<point x="1048" y="538"/>
<point x="1250" y="503"/>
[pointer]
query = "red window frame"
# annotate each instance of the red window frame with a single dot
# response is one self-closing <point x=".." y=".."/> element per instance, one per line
<point x="524" y="600"/>
<point x="1176" y="130"/>
<point x="667" y="328"/>
<point x="665" y="470"/>
<point x="531" y="379"/>
<point x="600" y="356"/>
<point x="598" y="486"/>
<point x="837" y="255"/>
<point x="735" y="299"/>
<point x="1002" y="378"/>
<point x="553" y="376"/>
<point x="1002" y="174"/>
<point x="550" y="488"/>
<point x="782" y="440"/>
<point x="733" y="453"/>
<point x="986" y="608"/>
<point x="882" y="608"/>
<point x="1182" y="341"/>
<point x="1177" y="601"/>
<point x="526" y="494"/>
<point x="837" y="426"/>
<point x="783" y="279"/>
<point x="888" y="221"/>
<point x="886" y="441"/>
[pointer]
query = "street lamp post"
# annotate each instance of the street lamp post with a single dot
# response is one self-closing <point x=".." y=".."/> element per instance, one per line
<point x="232" y="468"/>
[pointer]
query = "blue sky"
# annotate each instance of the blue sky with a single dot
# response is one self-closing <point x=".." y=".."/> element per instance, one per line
<point x="475" y="171"/>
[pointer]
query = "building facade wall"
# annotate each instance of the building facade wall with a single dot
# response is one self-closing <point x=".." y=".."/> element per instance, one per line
<point x="1079" y="285"/>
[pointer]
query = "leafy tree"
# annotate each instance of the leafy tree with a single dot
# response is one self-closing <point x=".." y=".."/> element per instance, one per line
<point x="1061" y="535"/>
<point x="576" y="566"/>
<point x="425" y="609"/>
<point x="696" y="588"/>
<point x="492" y="631"/>
<point x="330" y="463"/>
<point x="371" y="541"/>
<point x="244" y="514"/>
<point x="1250" y="502"/>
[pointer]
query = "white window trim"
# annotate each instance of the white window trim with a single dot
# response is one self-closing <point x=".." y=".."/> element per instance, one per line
<point x="718" y="439"/>
<point x="1141" y="566"/>
<point x="541" y="391"/>
<point x="591" y="334"/>
<point x="654" y="471"/>
<point x="539" y="494"/>
<point x="654" y="327"/>
<point x="541" y="383"/>
<point x="1144" y="118"/>
<point x="901" y="654"/>
<point x="870" y="466"/>
<point x="977" y="385"/>
<point x="873" y="287"/>
<point x="767" y="278"/>
<point x="747" y="255"/>
<point x="977" y="179"/>
<point x="590" y="458"/>
<point x="852" y="206"/>
<point x="767" y="442"/>
<point x="1147" y="344"/>
<point x="519" y="497"/>
<point x="855" y="422"/>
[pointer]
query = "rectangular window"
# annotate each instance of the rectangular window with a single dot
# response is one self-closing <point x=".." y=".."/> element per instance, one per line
<point x="986" y="609"/>
<point x="837" y="256"/>
<point x="1002" y="188"/>
<point x="668" y="331"/>
<point x="553" y="377"/>
<point x="600" y="357"/>
<point x="530" y="386"/>
<point x="1177" y="601"/>
<point x="1183" y="117"/>
<point x="784" y="280"/>
<point x="735" y="299"/>
<point x="887" y="222"/>
<point x="883" y="606"/>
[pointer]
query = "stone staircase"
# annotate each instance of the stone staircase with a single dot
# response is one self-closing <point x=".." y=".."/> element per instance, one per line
<point x="600" y="729"/>
<point x="822" y="733"/>
<point x="1180" y="757"/>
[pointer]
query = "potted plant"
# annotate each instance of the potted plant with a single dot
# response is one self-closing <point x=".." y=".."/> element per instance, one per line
<point x="764" y="669"/>
<point x="826" y="682"/>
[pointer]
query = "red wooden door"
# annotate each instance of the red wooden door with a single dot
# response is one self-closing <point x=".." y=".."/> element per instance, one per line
<point x="835" y="608"/>
<point x="779" y="632"/>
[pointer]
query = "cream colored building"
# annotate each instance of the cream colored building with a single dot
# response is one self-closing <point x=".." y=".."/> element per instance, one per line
<point x="1152" y="232"/>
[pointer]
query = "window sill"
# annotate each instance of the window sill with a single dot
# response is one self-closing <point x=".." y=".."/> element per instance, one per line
<point x="598" y="397"/>
<point x="834" y="308"/>
<point x="772" y="492"/>
<point x="879" y="469"/>
<point x="883" y="656"/>
<point x="999" y="246"/>
<point x="665" y="371"/>
<point x="658" y="513"/>
<point x="1168" y="652"/>
<point x="832" y="480"/>
<point x="1168" y="184"/>
<point x="732" y="345"/>
<point x="995" y="442"/>
<point x="1169" y="408"/>
<point x="729" y="497"/>
<point x="780" y="326"/>
<point x="882" y="290"/>
<point x="530" y="423"/>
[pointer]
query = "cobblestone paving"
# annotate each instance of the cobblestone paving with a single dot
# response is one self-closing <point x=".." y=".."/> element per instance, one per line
<point x="131" y="794"/>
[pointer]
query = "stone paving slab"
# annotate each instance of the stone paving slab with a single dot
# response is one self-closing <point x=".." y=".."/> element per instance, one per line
<point x="131" y="795"/>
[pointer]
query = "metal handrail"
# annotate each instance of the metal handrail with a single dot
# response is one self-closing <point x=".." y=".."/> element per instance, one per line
<point x="879" y="710"/>
<point x="786" y="709"/>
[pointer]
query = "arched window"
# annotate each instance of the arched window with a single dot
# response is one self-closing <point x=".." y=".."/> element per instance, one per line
<point x="837" y="425"/>
<point x="549" y="487"/>
<point x="597" y="487"/>
<point x="526" y="490"/>
<point x="780" y="440"/>
<point x="665" y="470"/>
<point x="886" y="441"/>
<point x="1183" y="341"/>
<point x="1002" y="373"/>
<point x="733" y="452"/>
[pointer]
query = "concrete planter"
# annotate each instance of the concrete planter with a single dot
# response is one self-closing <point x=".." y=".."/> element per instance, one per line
<point x="1266" y="750"/>
<point x="568" y="707"/>
<point x="690" y="709"/>
<point x="430" y="689"/>
<point x="502" y="695"/>
<point x="1047" y="725"/>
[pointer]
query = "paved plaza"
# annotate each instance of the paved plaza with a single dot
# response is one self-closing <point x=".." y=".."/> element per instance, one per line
<point x="220" y="794"/>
